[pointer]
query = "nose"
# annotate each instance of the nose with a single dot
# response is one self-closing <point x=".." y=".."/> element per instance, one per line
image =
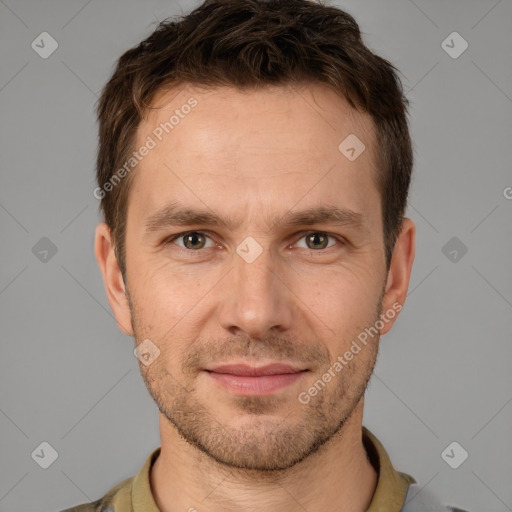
<point x="256" y="298"/>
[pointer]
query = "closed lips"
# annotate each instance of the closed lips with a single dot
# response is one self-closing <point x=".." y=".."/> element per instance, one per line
<point x="251" y="371"/>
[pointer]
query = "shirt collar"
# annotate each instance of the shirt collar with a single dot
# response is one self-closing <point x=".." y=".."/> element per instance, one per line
<point x="389" y="495"/>
<point x="392" y="485"/>
<point x="142" y="498"/>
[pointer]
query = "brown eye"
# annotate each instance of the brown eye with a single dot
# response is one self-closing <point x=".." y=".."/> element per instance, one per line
<point x="317" y="240"/>
<point x="191" y="240"/>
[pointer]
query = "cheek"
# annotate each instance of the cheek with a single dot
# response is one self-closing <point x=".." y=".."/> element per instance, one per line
<point x="342" y="296"/>
<point x="346" y="302"/>
<point x="165" y="292"/>
<point x="170" y="309"/>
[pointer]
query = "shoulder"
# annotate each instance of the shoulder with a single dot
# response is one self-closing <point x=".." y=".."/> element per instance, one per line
<point x="420" y="499"/>
<point x="118" y="499"/>
<point x="85" y="507"/>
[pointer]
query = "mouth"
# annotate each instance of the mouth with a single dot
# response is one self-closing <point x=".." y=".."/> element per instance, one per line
<point x="246" y="380"/>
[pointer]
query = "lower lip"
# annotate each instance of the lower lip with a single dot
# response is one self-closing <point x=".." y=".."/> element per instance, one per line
<point x="255" y="386"/>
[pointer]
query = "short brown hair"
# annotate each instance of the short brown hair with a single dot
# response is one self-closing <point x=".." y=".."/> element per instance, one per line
<point x="248" y="44"/>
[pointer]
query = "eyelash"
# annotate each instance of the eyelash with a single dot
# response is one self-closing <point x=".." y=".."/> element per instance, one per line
<point x="171" y="239"/>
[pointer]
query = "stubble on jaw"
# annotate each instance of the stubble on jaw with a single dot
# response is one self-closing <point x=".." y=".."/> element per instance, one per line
<point x="262" y="445"/>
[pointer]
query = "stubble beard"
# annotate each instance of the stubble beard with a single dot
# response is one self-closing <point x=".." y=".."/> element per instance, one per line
<point x="264" y="441"/>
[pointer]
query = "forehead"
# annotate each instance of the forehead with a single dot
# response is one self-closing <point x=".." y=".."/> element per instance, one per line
<point x="253" y="147"/>
<point x="273" y="118"/>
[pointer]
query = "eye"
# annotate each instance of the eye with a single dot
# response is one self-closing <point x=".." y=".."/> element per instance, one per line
<point x="192" y="240"/>
<point x="317" y="240"/>
<point x="195" y="240"/>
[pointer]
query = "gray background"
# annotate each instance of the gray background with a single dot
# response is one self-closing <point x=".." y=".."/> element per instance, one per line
<point x="68" y="375"/>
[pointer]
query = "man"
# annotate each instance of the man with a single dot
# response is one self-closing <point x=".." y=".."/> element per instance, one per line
<point x="253" y="170"/>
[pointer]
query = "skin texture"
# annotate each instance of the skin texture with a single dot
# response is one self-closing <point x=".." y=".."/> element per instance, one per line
<point x="253" y="157"/>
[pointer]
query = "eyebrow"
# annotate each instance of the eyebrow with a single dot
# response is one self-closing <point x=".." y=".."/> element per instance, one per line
<point x="176" y="215"/>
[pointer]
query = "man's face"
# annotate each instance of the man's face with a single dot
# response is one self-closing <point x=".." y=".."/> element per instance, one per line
<point x="259" y="290"/>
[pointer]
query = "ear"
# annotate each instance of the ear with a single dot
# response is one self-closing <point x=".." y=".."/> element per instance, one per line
<point x="399" y="274"/>
<point x="113" y="278"/>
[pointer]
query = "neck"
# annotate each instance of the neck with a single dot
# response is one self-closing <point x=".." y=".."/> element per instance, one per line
<point x="337" y="477"/>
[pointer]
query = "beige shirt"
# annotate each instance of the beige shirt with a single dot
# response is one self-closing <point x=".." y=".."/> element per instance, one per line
<point x="134" y="494"/>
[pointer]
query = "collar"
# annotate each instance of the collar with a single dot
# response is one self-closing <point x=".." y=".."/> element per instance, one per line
<point x="389" y="495"/>
<point x="392" y="485"/>
<point x="142" y="498"/>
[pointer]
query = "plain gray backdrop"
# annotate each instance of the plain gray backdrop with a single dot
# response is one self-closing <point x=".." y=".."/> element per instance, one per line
<point x="68" y="376"/>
